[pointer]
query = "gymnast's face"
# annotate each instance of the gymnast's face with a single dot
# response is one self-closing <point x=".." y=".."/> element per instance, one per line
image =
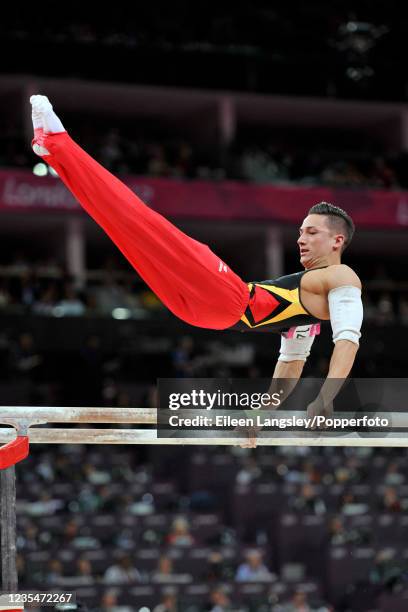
<point x="318" y="243"/>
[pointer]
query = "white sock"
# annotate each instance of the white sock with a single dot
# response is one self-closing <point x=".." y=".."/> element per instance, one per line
<point x="52" y="123"/>
<point x="43" y="115"/>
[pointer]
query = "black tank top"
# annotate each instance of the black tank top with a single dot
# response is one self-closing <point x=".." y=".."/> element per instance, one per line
<point x="275" y="306"/>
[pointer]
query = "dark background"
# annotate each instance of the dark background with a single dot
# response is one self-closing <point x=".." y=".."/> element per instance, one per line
<point x="139" y="86"/>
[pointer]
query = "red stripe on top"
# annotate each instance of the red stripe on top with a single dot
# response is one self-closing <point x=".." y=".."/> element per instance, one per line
<point x="262" y="304"/>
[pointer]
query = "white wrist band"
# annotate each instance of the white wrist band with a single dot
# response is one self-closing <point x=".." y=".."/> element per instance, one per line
<point x="296" y="348"/>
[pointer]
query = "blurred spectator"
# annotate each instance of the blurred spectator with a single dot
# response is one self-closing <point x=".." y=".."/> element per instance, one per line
<point x="27" y="289"/>
<point x="183" y="164"/>
<point x="337" y="532"/>
<point x="105" y="498"/>
<point x="46" y="302"/>
<point x="347" y="474"/>
<point x="383" y="175"/>
<point x="44" y="506"/>
<point x="350" y="506"/>
<point x="70" y="305"/>
<point x="219" y="601"/>
<point x="312" y="473"/>
<point x="394" y="475"/>
<point x="298" y="603"/>
<point x="110" y="295"/>
<point x="165" y="572"/>
<point x="72" y="538"/>
<point x="54" y="572"/>
<point x="168" y="604"/>
<point x="88" y="500"/>
<point x="253" y="569"/>
<point x="217" y="568"/>
<point x="157" y="164"/>
<point x="83" y="574"/>
<point x="111" y="153"/>
<point x="259" y="167"/>
<point x="342" y="173"/>
<point x="308" y="501"/>
<point x="29" y="539"/>
<point x="179" y="534"/>
<point x="386" y="572"/>
<point x="109" y="602"/>
<point x="340" y="535"/>
<point x="97" y="476"/>
<point x="122" y="572"/>
<point x="390" y="501"/>
<point x="385" y="310"/>
<point x="249" y="472"/>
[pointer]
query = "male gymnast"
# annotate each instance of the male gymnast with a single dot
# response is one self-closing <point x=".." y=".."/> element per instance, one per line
<point x="201" y="289"/>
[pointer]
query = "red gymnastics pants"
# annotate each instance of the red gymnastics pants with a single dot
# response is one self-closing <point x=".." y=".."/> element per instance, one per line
<point x="185" y="274"/>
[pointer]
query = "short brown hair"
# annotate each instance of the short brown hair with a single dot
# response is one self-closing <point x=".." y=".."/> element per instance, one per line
<point x="338" y="219"/>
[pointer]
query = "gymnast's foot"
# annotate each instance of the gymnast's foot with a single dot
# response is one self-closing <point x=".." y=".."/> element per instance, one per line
<point x="45" y="121"/>
<point x="43" y="115"/>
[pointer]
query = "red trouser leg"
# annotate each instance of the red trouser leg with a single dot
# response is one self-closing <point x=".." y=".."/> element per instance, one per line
<point x="185" y="274"/>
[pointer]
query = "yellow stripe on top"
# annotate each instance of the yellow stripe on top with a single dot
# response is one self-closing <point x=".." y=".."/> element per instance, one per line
<point x="291" y="295"/>
<point x="293" y="309"/>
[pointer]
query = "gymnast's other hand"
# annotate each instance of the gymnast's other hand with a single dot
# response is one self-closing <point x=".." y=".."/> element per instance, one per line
<point x="247" y="436"/>
<point x="318" y="408"/>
